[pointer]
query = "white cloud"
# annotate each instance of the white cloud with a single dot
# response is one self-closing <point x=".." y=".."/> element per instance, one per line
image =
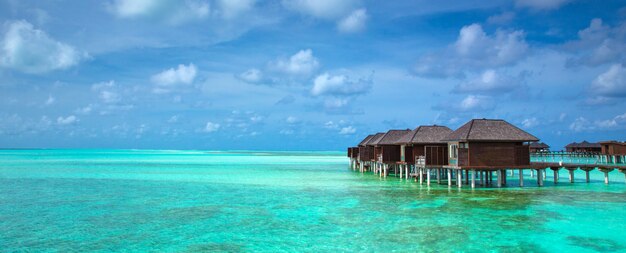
<point x="325" y="9"/>
<point x="67" y="120"/>
<point x="109" y="97"/>
<point x="174" y="76"/>
<point x="503" y="48"/>
<point x="355" y="22"/>
<point x="334" y="103"/>
<point x="490" y="81"/>
<point x="170" y="11"/>
<point x="30" y="50"/>
<point x="173" y="119"/>
<point x="598" y="44"/>
<point x="50" y="100"/>
<point x="530" y="122"/>
<point x="233" y="8"/>
<point x="291" y="120"/>
<point x="331" y="125"/>
<point x="85" y="110"/>
<point x="541" y="4"/>
<point x="252" y="75"/>
<point x="339" y="85"/>
<point x="347" y="130"/>
<point x="471" y="103"/>
<point x="580" y="124"/>
<point x="611" y="83"/>
<point x="502" y="18"/>
<point x="211" y="127"/>
<point x="474" y="49"/>
<point x="302" y="63"/>
<point x="106" y="92"/>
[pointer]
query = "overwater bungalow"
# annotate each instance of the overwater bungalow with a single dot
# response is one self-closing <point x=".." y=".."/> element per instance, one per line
<point x="584" y="147"/>
<point x="389" y="151"/>
<point x="539" y="147"/>
<point x="487" y="145"/>
<point x="363" y="153"/>
<point x="613" y="148"/>
<point x="425" y="142"/>
<point x="367" y="154"/>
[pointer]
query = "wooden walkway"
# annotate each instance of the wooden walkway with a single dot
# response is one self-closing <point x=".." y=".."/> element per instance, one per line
<point x="482" y="175"/>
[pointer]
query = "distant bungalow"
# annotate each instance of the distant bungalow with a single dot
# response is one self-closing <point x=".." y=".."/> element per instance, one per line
<point x="613" y="148"/>
<point x="426" y="142"/>
<point x="583" y="147"/>
<point x="388" y="150"/>
<point x="539" y="147"/>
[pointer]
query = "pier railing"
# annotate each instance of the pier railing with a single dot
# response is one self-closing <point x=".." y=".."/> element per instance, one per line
<point x="576" y="158"/>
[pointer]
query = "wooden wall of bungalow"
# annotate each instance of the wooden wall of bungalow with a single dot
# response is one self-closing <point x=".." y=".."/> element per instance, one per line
<point x="353" y="152"/>
<point x="374" y="149"/>
<point x="485" y="142"/>
<point x="366" y="150"/>
<point x="613" y="148"/>
<point x="584" y="147"/>
<point x="425" y="141"/>
<point x="389" y="150"/>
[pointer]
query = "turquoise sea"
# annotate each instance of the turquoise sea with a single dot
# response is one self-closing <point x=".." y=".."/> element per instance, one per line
<point x="197" y="201"/>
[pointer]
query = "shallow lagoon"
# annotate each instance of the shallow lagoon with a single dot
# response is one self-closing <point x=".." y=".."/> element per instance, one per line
<point x="135" y="200"/>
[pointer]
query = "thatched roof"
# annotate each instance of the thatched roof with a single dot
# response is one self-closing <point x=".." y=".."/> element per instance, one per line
<point x="425" y="134"/>
<point x="392" y="137"/>
<point x="539" y="145"/>
<point x="613" y="142"/>
<point x="489" y="130"/>
<point x="375" y="139"/>
<point x="362" y="143"/>
<point x="584" y="144"/>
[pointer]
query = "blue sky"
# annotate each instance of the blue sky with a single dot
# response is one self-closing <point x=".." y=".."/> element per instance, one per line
<point x="304" y="74"/>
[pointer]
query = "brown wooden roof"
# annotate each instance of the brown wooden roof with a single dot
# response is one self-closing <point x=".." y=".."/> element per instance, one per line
<point x="375" y="139"/>
<point x="489" y="130"/>
<point x="613" y="142"/>
<point x="584" y="144"/>
<point x="362" y="143"/>
<point x="392" y="137"/>
<point x="539" y="145"/>
<point x="425" y="134"/>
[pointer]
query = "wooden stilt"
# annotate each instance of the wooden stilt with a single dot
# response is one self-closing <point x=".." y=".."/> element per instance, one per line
<point x="473" y="179"/>
<point x="521" y="178"/>
<point x="587" y="176"/>
<point x="428" y="176"/>
<point x="481" y="177"/>
<point x="571" y="175"/>
<point x="499" y="176"/>
<point x="449" y="177"/>
<point x="556" y="175"/>
<point x="406" y="171"/>
<point x="421" y="175"/>
<point x="532" y="173"/>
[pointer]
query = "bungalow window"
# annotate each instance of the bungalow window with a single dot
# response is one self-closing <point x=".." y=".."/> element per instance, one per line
<point x="454" y="151"/>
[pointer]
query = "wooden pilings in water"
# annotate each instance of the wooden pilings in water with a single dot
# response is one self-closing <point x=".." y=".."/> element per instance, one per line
<point x="484" y="175"/>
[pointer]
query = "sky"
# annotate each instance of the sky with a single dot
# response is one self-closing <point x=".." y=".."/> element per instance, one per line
<point x="304" y="74"/>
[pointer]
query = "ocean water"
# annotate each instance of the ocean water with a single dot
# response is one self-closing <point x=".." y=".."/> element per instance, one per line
<point x="196" y="201"/>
